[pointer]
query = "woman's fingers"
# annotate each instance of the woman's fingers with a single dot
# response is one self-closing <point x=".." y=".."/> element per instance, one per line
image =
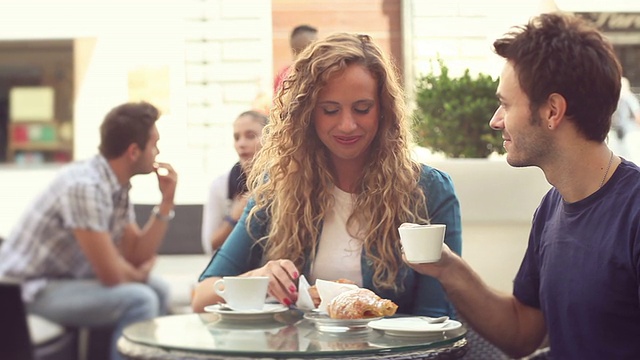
<point x="283" y="273"/>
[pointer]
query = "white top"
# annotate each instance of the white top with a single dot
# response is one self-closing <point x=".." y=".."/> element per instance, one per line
<point x="215" y="209"/>
<point x="338" y="253"/>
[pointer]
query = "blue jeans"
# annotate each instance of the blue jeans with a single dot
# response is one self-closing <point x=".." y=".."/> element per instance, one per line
<point x="87" y="303"/>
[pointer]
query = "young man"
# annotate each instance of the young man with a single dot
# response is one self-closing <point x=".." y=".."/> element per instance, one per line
<point x="301" y="36"/>
<point x="579" y="281"/>
<point x="78" y="251"/>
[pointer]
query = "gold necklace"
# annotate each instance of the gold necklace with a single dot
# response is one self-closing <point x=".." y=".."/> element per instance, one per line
<point x="608" y="167"/>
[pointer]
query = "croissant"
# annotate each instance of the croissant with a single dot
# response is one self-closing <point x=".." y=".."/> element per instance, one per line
<point x="360" y="304"/>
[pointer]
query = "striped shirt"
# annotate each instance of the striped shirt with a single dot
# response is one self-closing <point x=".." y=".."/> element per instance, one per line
<point x="84" y="195"/>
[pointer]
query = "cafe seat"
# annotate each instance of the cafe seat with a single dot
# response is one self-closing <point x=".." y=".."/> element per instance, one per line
<point x="30" y="337"/>
<point x="14" y="330"/>
<point x="51" y="341"/>
<point x="478" y="348"/>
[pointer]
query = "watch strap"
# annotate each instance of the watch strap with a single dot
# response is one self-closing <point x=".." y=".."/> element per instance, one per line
<point x="165" y="218"/>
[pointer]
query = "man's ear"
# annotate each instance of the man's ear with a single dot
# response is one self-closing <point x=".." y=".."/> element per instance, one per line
<point x="554" y="110"/>
<point x="133" y="152"/>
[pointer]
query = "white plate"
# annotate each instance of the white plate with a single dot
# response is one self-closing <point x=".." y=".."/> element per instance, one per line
<point x="412" y="326"/>
<point x="266" y="313"/>
<point x="324" y="323"/>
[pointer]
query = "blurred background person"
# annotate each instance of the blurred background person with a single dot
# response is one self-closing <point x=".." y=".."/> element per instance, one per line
<point x="78" y="251"/>
<point x="625" y="123"/>
<point x="227" y="193"/>
<point x="301" y="37"/>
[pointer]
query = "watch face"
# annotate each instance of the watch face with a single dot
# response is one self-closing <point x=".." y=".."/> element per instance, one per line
<point x="156" y="213"/>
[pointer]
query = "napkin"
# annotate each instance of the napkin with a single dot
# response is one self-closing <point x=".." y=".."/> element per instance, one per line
<point x="330" y="289"/>
<point x="304" y="298"/>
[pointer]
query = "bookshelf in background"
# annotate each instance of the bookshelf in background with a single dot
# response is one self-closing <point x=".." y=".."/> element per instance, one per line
<point x="37" y="142"/>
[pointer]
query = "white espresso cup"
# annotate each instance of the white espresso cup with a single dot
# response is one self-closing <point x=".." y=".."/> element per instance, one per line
<point x="243" y="292"/>
<point x="422" y="243"/>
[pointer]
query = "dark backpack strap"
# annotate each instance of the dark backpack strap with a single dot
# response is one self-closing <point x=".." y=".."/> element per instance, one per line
<point x="237" y="181"/>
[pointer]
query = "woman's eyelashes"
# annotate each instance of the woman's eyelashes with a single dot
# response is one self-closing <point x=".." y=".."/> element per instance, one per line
<point x="363" y="110"/>
<point x="330" y="111"/>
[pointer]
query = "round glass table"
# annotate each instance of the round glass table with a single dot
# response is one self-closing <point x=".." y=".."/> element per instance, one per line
<point x="285" y="335"/>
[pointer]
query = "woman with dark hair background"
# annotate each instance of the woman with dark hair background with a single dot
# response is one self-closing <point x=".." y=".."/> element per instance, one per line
<point x="227" y="198"/>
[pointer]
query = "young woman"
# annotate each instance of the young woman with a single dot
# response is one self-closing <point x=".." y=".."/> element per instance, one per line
<point x="227" y="193"/>
<point x="334" y="181"/>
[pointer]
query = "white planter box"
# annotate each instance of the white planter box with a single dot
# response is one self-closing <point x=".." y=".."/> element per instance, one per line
<point x="493" y="191"/>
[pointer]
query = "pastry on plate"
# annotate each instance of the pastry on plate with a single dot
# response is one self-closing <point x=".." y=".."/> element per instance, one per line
<point x="360" y="304"/>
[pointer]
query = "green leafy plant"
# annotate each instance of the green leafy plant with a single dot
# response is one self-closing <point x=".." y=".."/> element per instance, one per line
<point x="453" y="114"/>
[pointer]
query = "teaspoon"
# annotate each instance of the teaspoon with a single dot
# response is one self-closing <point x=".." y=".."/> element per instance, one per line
<point x="431" y="320"/>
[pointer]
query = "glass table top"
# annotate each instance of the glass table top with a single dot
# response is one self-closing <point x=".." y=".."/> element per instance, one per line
<point x="286" y="333"/>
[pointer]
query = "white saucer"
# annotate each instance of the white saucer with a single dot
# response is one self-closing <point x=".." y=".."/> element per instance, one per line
<point x="324" y="323"/>
<point x="412" y="326"/>
<point x="227" y="313"/>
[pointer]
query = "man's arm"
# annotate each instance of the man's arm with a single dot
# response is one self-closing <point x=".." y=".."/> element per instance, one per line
<point x="139" y="246"/>
<point x="502" y="319"/>
<point x="108" y="264"/>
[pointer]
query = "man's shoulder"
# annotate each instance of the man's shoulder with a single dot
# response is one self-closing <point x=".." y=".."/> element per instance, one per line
<point x="77" y="178"/>
<point x="630" y="169"/>
<point x="82" y="172"/>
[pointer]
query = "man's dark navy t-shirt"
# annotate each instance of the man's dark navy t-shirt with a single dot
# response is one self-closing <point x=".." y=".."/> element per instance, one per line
<point x="582" y="269"/>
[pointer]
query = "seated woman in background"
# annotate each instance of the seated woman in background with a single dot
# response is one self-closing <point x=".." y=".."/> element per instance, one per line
<point x="227" y="193"/>
<point x="334" y="181"/>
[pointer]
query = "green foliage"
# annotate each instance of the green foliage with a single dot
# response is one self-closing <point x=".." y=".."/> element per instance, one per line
<point x="452" y="115"/>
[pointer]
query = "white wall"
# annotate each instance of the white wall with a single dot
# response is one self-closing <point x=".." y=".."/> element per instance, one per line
<point x="461" y="32"/>
<point x="235" y="62"/>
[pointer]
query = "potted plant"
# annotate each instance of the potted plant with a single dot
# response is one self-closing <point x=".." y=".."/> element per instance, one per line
<point x="452" y="114"/>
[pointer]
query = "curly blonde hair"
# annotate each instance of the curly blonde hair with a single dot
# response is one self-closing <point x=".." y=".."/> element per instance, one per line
<point x="291" y="178"/>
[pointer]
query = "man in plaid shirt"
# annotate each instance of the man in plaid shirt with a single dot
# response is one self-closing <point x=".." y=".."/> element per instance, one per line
<point x="82" y="259"/>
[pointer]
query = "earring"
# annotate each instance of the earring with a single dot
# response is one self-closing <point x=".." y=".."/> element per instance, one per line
<point x="549" y="126"/>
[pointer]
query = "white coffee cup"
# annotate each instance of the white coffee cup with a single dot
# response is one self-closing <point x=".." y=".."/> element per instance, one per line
<point x="243" y="292"/>
<point x="422" y="243"/>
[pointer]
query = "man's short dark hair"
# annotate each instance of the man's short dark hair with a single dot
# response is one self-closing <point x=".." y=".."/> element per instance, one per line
<point x="124" y="125"/>
<point x="565" y="54"/>
<point x="301" y="37"/>
<point x="302" y="29"/>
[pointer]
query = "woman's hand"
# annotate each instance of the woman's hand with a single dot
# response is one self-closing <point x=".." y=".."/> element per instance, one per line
<point x="282" y="276"/>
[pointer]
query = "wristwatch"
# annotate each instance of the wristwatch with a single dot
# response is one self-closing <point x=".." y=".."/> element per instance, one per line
<point x="167" y="218"/>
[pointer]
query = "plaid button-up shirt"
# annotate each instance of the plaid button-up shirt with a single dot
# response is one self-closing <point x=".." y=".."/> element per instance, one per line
<point x="84" y="195"/>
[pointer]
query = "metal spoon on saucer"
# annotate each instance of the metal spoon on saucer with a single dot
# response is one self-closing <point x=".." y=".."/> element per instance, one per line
<point x="431" y="320"/>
